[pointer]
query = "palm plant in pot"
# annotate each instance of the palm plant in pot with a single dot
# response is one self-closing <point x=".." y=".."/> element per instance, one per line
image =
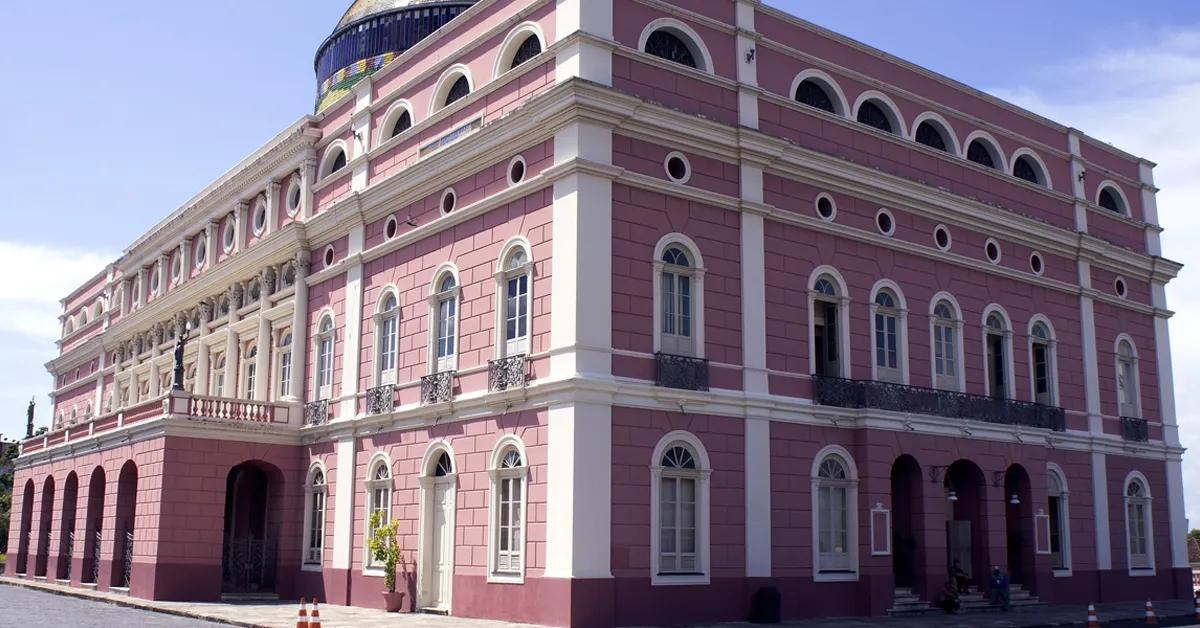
<point x="385" y="549"/>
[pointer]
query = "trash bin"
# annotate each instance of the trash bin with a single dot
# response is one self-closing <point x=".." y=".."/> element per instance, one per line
<point x="766" y="606"/>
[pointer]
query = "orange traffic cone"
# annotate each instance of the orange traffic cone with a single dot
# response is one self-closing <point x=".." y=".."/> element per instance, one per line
<point x="1151" y="620"/>
<point x="1198" y="609"/>
<point x="302" y="617"/>
<point x="1092" y="621"/>
<point x="314" y="619"/>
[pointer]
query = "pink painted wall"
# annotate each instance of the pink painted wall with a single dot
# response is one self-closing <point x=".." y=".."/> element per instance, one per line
<point x="676" y="89"/>
<point x="635" y="16"/>
<point x="77" y="399"/>
<point x="643" y="157"/>
<point x="1119" y="468"/>
<point x="1110" y="322"/>
<point x="328" y="296"/>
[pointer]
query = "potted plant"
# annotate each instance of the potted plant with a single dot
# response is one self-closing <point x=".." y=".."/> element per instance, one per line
<point x="385" y="549"/>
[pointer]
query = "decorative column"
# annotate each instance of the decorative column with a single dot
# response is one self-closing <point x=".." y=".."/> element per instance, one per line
<point x="272" y="206"/>
<point x="232" y="357"/>
<point x="262" y="379"/>
<point x="157" y="338"/>
<point x="210" y="243"/>
<point x="308" y="178"/>
<point x="164" y="260"/>
<point x="352" y="343"/>
<point x="126" y="296"/>
<point x="202" y="368"/>
<point x="141" y="287"/>
<point x="584" y="59"/>
<point x="185" y="259"/>
<point x="299" y="328"/>
<point x="239" y="226"/>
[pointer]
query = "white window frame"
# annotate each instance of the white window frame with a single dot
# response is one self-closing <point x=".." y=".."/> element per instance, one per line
<point x="323" y="384"/>
<point x="899" y="375"/>
<point x="391" y="117"/>
<point x="330" y="156"/>
<point x="284" y="362"/>
<point x="504" y="346"/>
<point x="1064" y="518"/>
<point x="259" y="227"/>
<point x="1050" y="342"/>
<point x="249" y="370"/>
<point x="701" y="475"/>
<point x="370" y="486"/>
<point x="449" y="362"/>
<point x="1146" y="501"/>
<point x="512" y="43"/>
<point x="384" y="353"/>
<point x="429" y="484"/>
<point x="842" y="300"/>
<point x="1009" y="371"/>
<point x="311" y="491"/>
<point x="218" y="375"/>
<point x="686" y="34"/>
<point x="696" y="273"/>
<point x="296" y="182"/>
<point x="445" y="83"/>
<point x="956" y="326"/>
<point x="498" y="475"/>
<point x="850" y="484"/>
<point x="1124" y="409"/>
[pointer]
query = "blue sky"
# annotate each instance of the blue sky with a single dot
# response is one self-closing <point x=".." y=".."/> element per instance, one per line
<point x="116" y="113"/>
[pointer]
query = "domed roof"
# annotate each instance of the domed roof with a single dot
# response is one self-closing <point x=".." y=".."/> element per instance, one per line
<point x="366" y="8"/>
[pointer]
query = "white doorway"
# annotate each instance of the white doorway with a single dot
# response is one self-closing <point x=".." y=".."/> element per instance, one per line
<point x="435" y="573"/>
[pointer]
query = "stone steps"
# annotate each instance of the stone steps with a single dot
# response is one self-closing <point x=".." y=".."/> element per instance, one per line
<point x="908" y="603"/>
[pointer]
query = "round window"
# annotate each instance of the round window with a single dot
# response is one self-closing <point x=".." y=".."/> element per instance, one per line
<point x="227" y="235"/>
<point x="883" y="220"/>
<point x="448" y="201"/>
<point x="992" y="250"/>
<point x="201" y="251"/>
<point x="941" y="237"/>
<point x="516" y="170"/>
<point x="328" y="257"/>
<point x="825" y="207"/>
<point x="176" y="267"/>
<point x="293" y="198"/>
<point x="1120" y="288"/>
<point x="678" y="169"/>
<point x="1036" y="264"/>
<point x="154" y="281"/>
<point x="389" y="229"/>
<point x="260" y="218"/>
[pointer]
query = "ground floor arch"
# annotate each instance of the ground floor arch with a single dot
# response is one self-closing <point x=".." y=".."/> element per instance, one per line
<point x="966" y="519"/>
<point x="907" y="513"/>
<point x="45" y="524"/>
<point x="1018" y="524"/>
<point x="121" y="575"/>
<point x="250" y="536"/>
<point x="94" y="517"/>
<point x="26" y="527"/>
<point x="66" y="539"/>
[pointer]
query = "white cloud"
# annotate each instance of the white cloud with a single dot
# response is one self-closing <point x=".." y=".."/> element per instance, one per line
<point x="1141" y="99"/>
<point x="29" y="301"/>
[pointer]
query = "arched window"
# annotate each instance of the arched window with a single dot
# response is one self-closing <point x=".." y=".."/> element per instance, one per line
<point x="379" y="497"/>
<point x="387" y="324"/>
<point x="1137" y="523"/>
<point x="835" y="498"/>
<point x="509" y="471"/>
<point x="827" y="317"/>
<point x="251" y="371"/>
<point x="1028" y="167"/>
<point x="514" y="278"/>
<point x="530" y="48"/>
<point x="931" y="136"/>
<point x="946" y="326"/>
<point x="335" y="159"/>
<point x="218" y="377"/>
<point x="1111" y="198"/>
<point x="996" y="345"/>
<point x="982" y="150"/>
<point x="444" y="313"/>
<point x="324" y="362"/>
<point x="1042" y="362"/>
<point x="671" y="47"/>
<point x="402" y="124"/>
<point x="1060" y="521"/>
<point x="679" y="510"/>
<point x="872" y="115"/>
<point x="678" y="289"/>
<point x="285" y="364"/>
<point x="1128" y="388"/>
<point x="810" y="93"/>
<point x="458" y="91"/>
<point x="889" y="323"/>
<point x="1108" y="201"/>
<point x="314" y="516"/>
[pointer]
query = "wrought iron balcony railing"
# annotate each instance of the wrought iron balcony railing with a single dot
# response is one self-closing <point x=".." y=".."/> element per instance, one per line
<point x="437" y="388"/>
<point x="381" y="399"/>
<point x="316" y="412"/>
<point x="507" y="373"/>
<point x="680" y="371"/>
<point x="1135" y="430"/>
<point x="850" y="393"/>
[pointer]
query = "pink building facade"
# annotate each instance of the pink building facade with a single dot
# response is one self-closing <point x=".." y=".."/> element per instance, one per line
<point x="625" y="320"/>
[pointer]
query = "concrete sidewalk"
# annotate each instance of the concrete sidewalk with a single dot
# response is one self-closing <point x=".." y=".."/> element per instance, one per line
<point x="283" y="614"/>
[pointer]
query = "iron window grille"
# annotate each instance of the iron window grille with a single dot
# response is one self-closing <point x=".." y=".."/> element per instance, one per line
<point x="316" y="412"/>
<point x="437" y="388"/>
<point x="381" y="399"/>
<point x="1135" y="430"/>
<point x="667" y="46"/>
<point x="507" y="373"/>
<point x="680" y="371"/>
<point x="813" y="95"/>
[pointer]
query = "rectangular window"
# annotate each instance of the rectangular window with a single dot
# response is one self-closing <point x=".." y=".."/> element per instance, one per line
<point x="325" y="366"/>
<point x="250" y="373"/>
<point x="387" y="351"/>
<point x="1139" y="557"/>
<point x="1127" y="385"/>
<point x="316" y="530"/>
<point x="668" y="300"/>
<point x="516" y="326"/>
<point x="285" y="373"/>
<point x="510" y="543"/>
<point x="995" y="344"/>
<point x="677" y="526"/>
<point x="1041" y="374"/>
<point x="220" y="392"/>
<point x="1057" y="555"/>
<point x="832" y="535"/>
<point x="447" y="311"/>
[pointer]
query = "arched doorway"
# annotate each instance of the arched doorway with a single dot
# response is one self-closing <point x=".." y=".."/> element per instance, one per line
<point x="122" y="563"/>
<point x="1018" y="520"/>
<point x="966" y="533"/>
<point x="907" y="496"/>
<point x="250" y="554"/>
<point x="66" y="537"/>
<point x="26" y="528"/>
<point x="436" y="570"/>
<point x="44" y="525"/>
<point x="95" y="517"/>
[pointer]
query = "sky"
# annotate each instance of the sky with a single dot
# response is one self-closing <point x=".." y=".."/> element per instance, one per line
<point x="115" y="113"/>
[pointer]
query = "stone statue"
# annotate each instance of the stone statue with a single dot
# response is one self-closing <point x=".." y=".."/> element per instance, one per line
<point x="29" y="418"/>
<point x="180" y="341"/>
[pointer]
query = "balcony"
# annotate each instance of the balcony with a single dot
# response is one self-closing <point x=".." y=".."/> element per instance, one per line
<point x="849" y="393"/>
<point x="316" y="412"/>
<point x="381" y="399"/>
<point x="1135" y="430"/>
<point x="235" y="410"/>
<point x="437" y="388"/>
<point x="680" y="371"/>
<point x="507" y="373"/>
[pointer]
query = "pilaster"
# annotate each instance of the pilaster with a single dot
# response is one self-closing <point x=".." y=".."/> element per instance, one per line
<point x="579" y="491"/>
<point x="353" y="327"/>
<point x="232" y="354"/>
<point x="202" y="368"/>
<point x="210" y="243"/>
<point x="239" y="224"/>
<point x="1149" y="195"/>
<point x="584" y="59"/>
<point x="299" y="329"/>
<point x="185" y="259"/>
<point x="262" y="375"/>
<point x="344" y="492"/>
<point x="747" y="64"/>
<point x="1100" y="508"/>
<point x="273" y="205"/>
<point x="308" y="178"/>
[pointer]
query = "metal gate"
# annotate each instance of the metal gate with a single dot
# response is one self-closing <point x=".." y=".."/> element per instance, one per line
<point x="96" y="557"/>
<point x="70" y="553"/>
<point x="249" y="565"/>
<point x="128" y="563"/>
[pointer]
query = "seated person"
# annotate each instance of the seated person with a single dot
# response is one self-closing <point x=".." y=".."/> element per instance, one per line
<point x="960" y="577"/>
<point x="949" y="601"/>
<point x="999" y="589"/>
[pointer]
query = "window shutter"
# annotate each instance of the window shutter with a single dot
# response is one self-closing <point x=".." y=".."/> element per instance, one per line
<point x="687" y="562"/>
<point x="514" y="562"/>
<point x="503" y="563"/>
<point x="666" y="563"/>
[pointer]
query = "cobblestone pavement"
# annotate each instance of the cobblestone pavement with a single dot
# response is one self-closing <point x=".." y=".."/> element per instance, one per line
<point x="29" y="608"/>
<point x="25" y="604"/>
